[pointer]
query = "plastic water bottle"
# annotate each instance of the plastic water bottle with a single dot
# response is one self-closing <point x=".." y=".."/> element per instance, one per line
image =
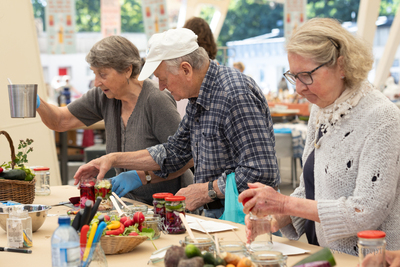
<point x="65" y="249"/>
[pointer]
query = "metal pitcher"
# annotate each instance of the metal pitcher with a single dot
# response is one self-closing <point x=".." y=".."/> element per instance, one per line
<point x="22" y="100"/>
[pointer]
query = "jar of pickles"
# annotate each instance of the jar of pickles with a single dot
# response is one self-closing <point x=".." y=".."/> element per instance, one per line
<point x="159" y="204"/>
<point x="87" y="191"/>
<point x="173" y="206"/>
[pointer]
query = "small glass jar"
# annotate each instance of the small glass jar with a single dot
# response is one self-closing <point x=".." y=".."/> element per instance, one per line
<point x="19" y="228"/>
<point x="87" y="190"/>
<point x="131" y="210"/>
<point x="173" y="206"/>
<point x="205" y="244"/>
<point x="103" y="189"/>
<point x="371" y="248"/>
<point x="42" y="186"/>
<point x="153" y="221"/>
<point x="234" y="247"/>
<point x="268" y="259"/>
<point x="159" y="204"/>
<point x="261" y="231"/>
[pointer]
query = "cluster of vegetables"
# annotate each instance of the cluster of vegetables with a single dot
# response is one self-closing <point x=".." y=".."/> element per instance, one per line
<point x="19" y="173"/>
<point x="123" y="226"/>
<point x="191" y="256"/>
<point x="103" y="189"/>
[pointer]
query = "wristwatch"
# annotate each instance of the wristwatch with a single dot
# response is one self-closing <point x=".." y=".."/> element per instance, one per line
<point x="211" y="192"/>
<point x="148" y="177"/>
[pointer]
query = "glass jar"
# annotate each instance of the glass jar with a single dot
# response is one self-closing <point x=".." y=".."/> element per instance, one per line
<point x="132" y="209"/>
<point x="42" y="186"/>
<point x="19" y="228"/>
<point x="87" y="190"/>
<point x="159" y="204"/>
<point x="173" y="206"/>
<point x="103" y="189"/>
<point x="268" y="259"/>
<point x="261" y="231"/>
<point x="203" y="243"/>
<point x="153" y="221"/>
<point x="371" y="248"/>
<point x="234" y="247"/>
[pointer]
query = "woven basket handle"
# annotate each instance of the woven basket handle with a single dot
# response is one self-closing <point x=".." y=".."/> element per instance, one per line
<point x="11" y="147"/>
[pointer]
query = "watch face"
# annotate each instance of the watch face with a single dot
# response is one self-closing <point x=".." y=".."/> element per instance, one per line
<point x="212" y="194"/>
<point x="148" y="178"/>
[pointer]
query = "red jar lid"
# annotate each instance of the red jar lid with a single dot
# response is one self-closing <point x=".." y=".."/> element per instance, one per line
<point x="175" y="198"/>
<point x="41" y="169"/>
<point x="162" y="195"/>
<point x="371" y="234"/>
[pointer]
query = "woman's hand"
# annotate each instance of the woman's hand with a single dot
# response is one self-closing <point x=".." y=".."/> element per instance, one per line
<point x="97" y="167"/>
<point x="262" y="200"/>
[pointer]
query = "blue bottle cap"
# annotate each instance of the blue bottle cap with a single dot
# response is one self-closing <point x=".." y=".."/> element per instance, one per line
<point x="64" y="220"/>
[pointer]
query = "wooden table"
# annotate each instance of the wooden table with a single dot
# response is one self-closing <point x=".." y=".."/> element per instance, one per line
<point x="41" y="250"/>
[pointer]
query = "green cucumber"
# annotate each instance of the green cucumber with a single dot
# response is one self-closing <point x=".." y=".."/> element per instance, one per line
<point x="324" y="254"/>
<point x="177" y="207"/>
<point x="15" y="174"/>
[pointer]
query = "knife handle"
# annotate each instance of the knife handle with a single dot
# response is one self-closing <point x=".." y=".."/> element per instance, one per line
<point x="77" y="220"/>
<point x="86" y="214"/>
<point x="95" y="207"/>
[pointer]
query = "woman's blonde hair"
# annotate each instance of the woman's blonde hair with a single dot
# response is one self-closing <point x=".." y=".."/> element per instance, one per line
<point x="325" y="40"/>
<point x="115" y="52"/>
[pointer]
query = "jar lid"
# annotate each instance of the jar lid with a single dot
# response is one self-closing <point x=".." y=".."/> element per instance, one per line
<point x="175" y="198"/>
<point x="371" y="234"/>
<point x="41" y="169"/>
<point x="162" y="195"/>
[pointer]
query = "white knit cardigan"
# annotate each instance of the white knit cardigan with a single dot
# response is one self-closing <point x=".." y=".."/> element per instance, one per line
<point x="356" y="174"/>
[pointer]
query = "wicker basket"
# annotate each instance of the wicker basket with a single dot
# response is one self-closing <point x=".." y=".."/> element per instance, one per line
<point x="15" y="190"/>
<point x="120" y="244"/>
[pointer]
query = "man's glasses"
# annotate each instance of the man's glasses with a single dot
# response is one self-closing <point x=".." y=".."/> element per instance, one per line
<point x="304" y="77"/>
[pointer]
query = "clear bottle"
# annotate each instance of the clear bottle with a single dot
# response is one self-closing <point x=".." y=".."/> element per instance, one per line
<point x="65" y="249"/>
<point x="19" y="228"/>
<point x="371" y="248"/>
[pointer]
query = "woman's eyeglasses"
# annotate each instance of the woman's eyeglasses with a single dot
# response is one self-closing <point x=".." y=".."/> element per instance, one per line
<point x="304" y="77"/>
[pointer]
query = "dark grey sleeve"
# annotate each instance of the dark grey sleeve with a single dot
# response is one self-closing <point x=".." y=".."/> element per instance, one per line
<point x="88" y="108"/>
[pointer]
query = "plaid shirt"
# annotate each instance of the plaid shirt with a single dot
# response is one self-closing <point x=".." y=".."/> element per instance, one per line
<point x="227" y="128"/>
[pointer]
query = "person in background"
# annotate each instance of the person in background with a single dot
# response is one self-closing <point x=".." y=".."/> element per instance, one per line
<point x="227" y="127"/>
<point x="239" y="66"/>
<point x="282" y="84"/>
<point x="135" y="113"/>
<point x="350" y="180"/>
<point x="205" y="37"/>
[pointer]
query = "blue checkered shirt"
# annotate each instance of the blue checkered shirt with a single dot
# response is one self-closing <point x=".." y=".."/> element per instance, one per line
<point x="227" y="128"/>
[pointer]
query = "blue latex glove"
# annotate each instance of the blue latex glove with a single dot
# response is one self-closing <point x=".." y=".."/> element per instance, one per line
<point x="37" y="101"/>
<point x="125" y="182"/>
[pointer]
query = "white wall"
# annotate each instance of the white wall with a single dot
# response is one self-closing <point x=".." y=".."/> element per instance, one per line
<point x="19" y="54"/>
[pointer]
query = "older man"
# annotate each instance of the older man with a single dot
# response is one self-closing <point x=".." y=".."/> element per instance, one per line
<point x="227" y="127"/>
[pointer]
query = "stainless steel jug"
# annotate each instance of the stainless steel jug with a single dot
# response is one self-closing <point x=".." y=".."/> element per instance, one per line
<point x="22" y="100"/>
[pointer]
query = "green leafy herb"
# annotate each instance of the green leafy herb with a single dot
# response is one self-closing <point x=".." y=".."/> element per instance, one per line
<point x="21" y="158"/>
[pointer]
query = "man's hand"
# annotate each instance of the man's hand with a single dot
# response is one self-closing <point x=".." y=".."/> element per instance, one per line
<point x="97" y="167"/>
<point x="196" y="195"/>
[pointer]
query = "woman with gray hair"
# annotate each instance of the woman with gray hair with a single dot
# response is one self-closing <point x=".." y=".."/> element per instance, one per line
<point x="136" y="114"/>
<point x="350" y="179"/>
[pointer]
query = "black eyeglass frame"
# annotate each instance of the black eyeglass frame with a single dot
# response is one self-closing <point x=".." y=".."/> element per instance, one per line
<point x="287" y="74"/>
